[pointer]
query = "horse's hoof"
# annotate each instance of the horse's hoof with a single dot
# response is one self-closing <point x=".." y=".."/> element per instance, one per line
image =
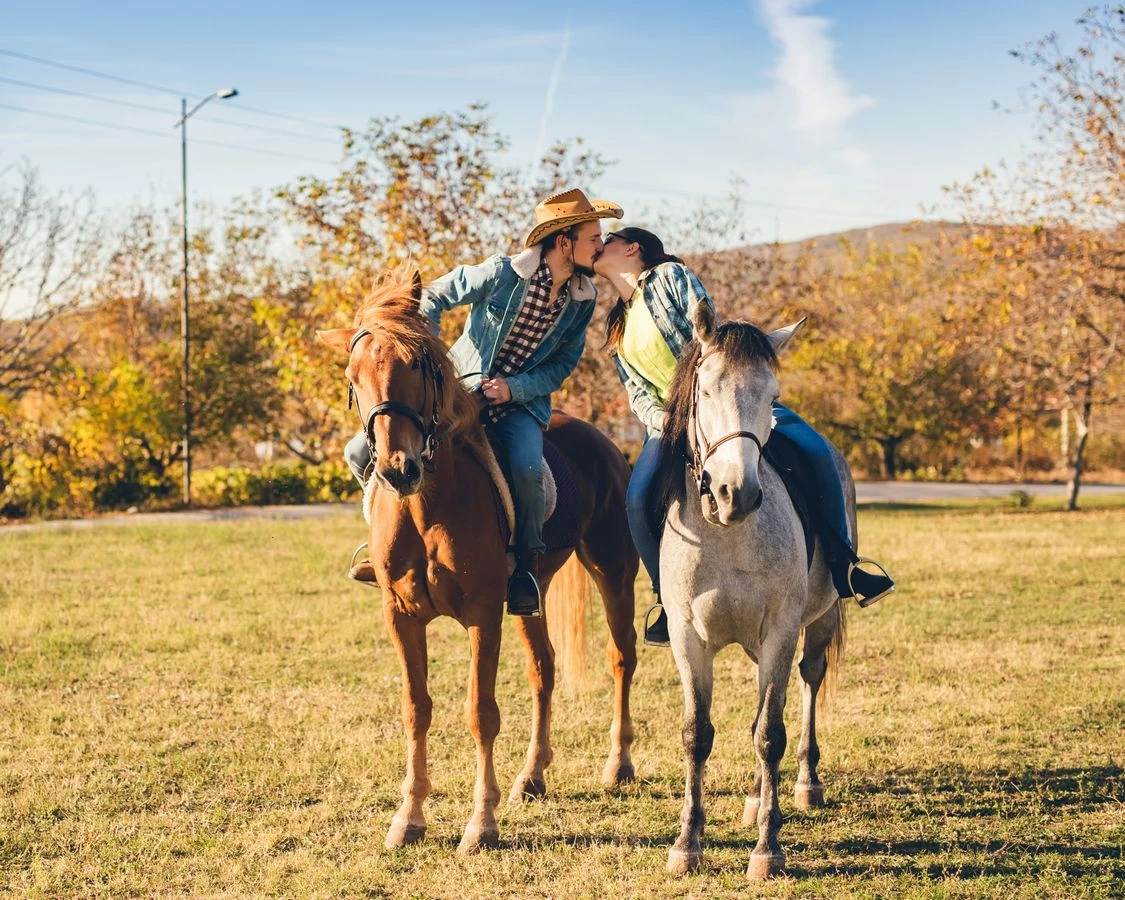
<point x="527" y="789"/>
<point x="765" y="865"/>
<point x="684" y="862"/>
<point x="474" y="840"/>
<point x="750" y="811"/>
<point x="618" y="773"/>
<point x="808" y="796"/>
<point x="403" y="834"/>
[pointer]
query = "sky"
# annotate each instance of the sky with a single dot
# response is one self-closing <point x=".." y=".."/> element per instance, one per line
<point x="834" y="115"/>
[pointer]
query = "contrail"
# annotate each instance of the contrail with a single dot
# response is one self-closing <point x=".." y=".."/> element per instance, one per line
<point x="549" y="105"/>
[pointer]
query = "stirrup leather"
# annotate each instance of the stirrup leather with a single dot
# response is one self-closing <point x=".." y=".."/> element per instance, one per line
<point x="867" y="601"/>
<point x="649" y="620"/>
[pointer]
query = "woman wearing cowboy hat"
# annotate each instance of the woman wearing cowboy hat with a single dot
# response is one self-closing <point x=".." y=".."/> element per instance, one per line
<point x="648" y="330"/>
<point x="524" y="335"/>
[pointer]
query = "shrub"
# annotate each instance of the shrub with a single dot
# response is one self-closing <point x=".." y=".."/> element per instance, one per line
<point x="274" y="484"/>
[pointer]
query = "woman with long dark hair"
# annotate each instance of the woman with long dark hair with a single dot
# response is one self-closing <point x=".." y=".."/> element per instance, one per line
<point x="647" y="332"/>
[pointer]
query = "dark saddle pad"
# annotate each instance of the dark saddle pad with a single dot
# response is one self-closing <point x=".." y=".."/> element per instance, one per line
<point x="796" y="474"/>
<point x="800" y="483"/>
<point x="561" y="530"/>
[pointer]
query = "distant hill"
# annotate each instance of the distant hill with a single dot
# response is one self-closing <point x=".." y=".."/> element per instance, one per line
<point x="897" y="235"/>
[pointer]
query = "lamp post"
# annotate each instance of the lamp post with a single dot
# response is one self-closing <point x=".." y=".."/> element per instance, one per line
<point x="185" y="332"/>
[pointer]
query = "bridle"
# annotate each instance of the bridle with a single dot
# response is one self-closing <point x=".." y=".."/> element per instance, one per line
<point x="701" y="448"/>
<point x="431" y="374"/>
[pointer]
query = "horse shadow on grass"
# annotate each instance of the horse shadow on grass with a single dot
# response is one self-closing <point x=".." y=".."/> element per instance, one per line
<point x="967" y="802"/>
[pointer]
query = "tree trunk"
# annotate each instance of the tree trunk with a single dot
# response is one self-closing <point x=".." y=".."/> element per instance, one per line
<point x="1082" y="430"/>
<point x="890" y="446"/>
<point x="1064" y="436"/>
<point x="1019" y="450"/>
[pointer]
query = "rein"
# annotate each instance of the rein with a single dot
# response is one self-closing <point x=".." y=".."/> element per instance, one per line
<point x="701" y="448"/>
<point x="429" y="429"/>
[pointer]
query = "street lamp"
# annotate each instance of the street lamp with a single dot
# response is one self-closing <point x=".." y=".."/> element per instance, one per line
<point x="223" y="94"/>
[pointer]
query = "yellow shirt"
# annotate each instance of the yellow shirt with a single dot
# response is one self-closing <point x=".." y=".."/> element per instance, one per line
<point x="643" y="346"/>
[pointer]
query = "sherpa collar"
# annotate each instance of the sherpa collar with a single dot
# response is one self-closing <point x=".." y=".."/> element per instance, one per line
<point x="527" y="261"/>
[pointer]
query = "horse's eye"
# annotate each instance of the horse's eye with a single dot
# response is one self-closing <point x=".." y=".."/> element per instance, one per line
<point x="414" y="364"/>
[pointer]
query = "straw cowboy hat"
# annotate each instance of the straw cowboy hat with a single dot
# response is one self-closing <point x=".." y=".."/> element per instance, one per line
<point x="566" y="209"/>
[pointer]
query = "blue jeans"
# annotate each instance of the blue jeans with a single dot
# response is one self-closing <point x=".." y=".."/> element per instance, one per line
<point x="833" y="507"/>
<point x="646" y="540"/>
<point x="811" y="443"/>
<point x="518" y="441"/>
<point x="358" y="456"/>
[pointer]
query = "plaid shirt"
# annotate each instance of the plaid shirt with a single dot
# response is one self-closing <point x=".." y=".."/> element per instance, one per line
<point x="528" y="330"/>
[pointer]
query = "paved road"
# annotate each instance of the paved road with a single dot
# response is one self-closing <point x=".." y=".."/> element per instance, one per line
<point x="866" y="492"/>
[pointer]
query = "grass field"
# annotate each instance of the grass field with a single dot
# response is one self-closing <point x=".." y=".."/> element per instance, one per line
<point x="212" y="710"/>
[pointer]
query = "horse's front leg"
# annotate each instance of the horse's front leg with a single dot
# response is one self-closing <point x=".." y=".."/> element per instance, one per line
<point x="483" y="715"/>
<point x="696" y="664"/>
<point x="409" y="637"/>
<point x="775" y="661"/>
<point x="531" y="781"/>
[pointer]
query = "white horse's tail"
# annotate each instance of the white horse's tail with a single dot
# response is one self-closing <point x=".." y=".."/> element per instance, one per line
<point x="570" y="592"/>
<point x="835" y="656"/>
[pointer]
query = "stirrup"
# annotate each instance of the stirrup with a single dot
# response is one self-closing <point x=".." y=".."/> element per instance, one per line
<point x="360" y="549"/>
<point x="865" y="602"/>
<point x="353" y="566"/>
<point x="649" y="621"/>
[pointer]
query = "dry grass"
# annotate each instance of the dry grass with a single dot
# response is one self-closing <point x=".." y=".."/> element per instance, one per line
<point x="212" y="710"/>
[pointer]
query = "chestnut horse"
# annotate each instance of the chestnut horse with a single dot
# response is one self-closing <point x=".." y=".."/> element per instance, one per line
<point x="438" y="549"/>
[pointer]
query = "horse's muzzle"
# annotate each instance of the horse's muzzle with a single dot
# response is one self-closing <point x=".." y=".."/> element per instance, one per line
<point x="732" y="505"/>
<point x="404" y="480"/>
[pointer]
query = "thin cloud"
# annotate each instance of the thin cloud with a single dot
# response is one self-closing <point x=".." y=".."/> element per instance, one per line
<point x="552" y="87"/>
<point x="823" y="98"/>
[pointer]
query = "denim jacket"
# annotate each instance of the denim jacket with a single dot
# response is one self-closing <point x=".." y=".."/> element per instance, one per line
<point x="496" y="289"/>
<point x="670" y="291"/>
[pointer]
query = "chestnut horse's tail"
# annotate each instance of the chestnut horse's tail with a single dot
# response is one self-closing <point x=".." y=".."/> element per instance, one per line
<point x="570" y="594"/>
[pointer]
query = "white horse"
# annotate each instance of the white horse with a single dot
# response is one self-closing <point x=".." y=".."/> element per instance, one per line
<point x="734" y="569"/>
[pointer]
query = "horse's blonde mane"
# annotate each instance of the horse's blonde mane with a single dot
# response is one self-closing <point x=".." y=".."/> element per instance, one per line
<point x="390" y="311"/>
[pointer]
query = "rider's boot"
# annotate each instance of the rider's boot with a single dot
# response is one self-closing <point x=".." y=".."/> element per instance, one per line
<point x="524" y="598"/>
<point x="851" y="580"/>
<point x="362" y="571"/>
<point x="868" y="587"/>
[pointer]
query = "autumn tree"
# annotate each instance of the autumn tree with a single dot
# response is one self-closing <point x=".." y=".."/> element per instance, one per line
<point x="1052" y="232"/>
<point x="48" y="248"/>
<point x="437" y="190"/>
<point x="890" y="355"/>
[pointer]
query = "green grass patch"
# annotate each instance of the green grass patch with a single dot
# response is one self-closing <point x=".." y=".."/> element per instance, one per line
<point x="213" y="710"/>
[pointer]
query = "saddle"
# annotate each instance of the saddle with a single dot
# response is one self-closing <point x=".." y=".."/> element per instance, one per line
<point x="800" y="483"/>
<point x="560" y="524"/>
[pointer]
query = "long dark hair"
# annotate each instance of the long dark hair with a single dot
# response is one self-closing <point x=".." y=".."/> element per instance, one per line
<point x="652" y="254"/>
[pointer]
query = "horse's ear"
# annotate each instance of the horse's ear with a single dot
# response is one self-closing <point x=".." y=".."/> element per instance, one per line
<point x="703" y="322"/>
<point x="780" y="339"/>
<point x="338" y="339"/>
<point x="416" y="286"/>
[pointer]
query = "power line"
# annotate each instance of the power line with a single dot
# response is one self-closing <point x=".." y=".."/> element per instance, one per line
<point x="70" y="93"/>
<point x="162" y="110"/>
<point x="69" y="68"/>
<point x="161" y="134"/>
<point x="156" y="87"/>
